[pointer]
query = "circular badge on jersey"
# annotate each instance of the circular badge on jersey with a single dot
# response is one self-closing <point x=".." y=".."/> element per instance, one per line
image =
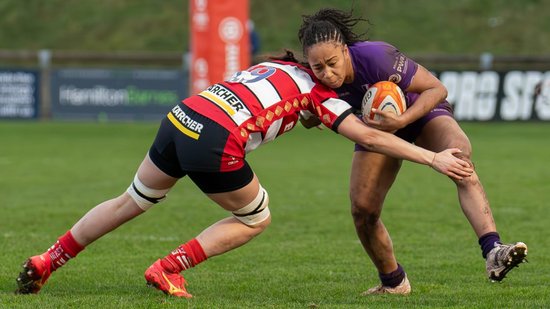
<point x="395" y="78"/>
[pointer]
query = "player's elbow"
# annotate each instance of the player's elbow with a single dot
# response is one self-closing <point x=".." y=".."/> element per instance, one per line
<point x="442" y="91"/>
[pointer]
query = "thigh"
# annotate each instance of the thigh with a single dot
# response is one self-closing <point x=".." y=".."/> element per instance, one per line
<point x="237" y="199"/>
<point x="231" y="190"/>
<point x="444" y="132"/>
<point x="372" y="175"/>
<point x="220" y="182"/>
<point x="153" y="177"/>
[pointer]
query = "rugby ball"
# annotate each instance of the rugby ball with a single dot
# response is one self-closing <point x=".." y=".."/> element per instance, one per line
<point x="385" y="96"/>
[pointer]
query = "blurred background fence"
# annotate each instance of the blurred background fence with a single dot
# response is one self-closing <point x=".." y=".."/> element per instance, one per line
<point x="90" y="85"/>
<point x="128" y="60"/>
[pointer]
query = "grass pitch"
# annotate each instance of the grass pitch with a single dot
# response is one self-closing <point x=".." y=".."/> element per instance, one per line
<point x="52" y="173"/>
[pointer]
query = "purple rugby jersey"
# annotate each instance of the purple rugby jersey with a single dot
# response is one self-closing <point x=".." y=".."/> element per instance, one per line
<point x="375" y="61"/>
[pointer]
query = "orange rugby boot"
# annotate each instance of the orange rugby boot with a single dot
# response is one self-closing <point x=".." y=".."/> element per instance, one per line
<point x="169" y="283"/>
<point x="36" y="270"/>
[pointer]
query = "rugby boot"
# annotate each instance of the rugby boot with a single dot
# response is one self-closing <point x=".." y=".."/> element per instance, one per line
<point x="168" y="282"/>
<point x="36" y="271"/>
<point x="404" y="288"/>
<point x="503" y="258"/>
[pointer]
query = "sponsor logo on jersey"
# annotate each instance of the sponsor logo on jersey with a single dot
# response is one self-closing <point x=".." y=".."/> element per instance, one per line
<point x="224" y="98"/>
<point x="400" y="64"/>
<point x="395" y="78"/>
<point x="184" y="123"/>
<point x="233" y="161"/>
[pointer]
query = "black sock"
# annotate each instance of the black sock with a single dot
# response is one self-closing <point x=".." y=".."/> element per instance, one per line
<point x="394" y="278"/>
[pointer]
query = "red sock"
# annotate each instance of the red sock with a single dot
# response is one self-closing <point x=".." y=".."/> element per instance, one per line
<point x="64" y="249"/>
<point x="184" y="257"/>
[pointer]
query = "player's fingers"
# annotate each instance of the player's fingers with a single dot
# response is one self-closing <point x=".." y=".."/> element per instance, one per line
<point x="465" y="165"/>
<point x="454" y="175"/>
<point x="373" y="123"/>
<point x="384" y="114"/>
<point x="455" y="151"/>
<point x="465" y="172"/>
<point x="462" y="165"/>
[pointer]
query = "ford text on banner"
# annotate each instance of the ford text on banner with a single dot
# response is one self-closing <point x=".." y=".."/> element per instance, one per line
<point x="220" y="44"/>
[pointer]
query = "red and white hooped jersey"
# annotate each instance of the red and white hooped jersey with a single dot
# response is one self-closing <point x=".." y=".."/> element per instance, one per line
<point x="263" y="102"/>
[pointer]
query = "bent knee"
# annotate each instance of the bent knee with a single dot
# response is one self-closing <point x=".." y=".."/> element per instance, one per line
<point x="260" y="227"/>
<point x="366" y="210"/>
<point x="256" y="214"/>
<point x="466" y="156"/>
<point x="468" y="182"/>
<point x="144" y="196"/>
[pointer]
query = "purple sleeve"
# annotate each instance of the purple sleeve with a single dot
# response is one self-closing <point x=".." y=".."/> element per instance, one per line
<point x="382" y="61"/>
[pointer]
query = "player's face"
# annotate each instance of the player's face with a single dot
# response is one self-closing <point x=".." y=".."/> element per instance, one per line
<point x="329" y="62"/>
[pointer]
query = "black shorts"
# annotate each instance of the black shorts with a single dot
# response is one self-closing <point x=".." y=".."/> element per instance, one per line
<point x="178" y="154"/>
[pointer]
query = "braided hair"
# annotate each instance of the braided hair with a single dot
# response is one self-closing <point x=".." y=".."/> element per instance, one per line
<point x="329" y="25"/>
<point x="288" y="56"/>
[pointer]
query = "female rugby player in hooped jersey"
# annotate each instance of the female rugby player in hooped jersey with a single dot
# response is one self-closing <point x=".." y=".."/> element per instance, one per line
<point x="206" y="137"/>
<point x="344" y="62"/>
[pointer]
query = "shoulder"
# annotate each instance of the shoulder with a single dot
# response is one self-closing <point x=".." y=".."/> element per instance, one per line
<point x="383" y="61"/>
<point x="372" y="50"/>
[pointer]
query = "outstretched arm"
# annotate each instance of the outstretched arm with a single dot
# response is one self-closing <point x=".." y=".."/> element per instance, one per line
<point x="379" y="141"/>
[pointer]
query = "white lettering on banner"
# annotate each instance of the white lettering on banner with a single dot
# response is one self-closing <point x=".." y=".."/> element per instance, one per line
<point x="16" y="77"/>
<point x="231" y="31"/>
<point x="542" y="101"/>
<point x="17" y="94"/>
<point x="519" y="91"/>
<point x="200" y="80"/>
<point x="232" y="64"/>
<point x="488" y="95"/>
<point x="473" y="94"/>
<point x="16" y="111"/>
<point x="97" y="96"/>
<point x="200" y="17"/>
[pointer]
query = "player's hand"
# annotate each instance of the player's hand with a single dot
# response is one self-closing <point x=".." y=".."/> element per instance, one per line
<point x="388" y="121"/>
<point x="448" y="164"/>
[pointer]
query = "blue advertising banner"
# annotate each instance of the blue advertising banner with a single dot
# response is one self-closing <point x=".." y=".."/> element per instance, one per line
<point x="116" y="94"/>
<point x="19" y="94"/>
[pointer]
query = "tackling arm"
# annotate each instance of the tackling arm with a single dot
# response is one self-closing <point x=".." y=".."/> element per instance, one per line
<point x="385" y="143"/>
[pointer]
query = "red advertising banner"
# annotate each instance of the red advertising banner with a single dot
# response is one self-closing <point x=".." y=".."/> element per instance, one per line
<point x="220" y="44"/>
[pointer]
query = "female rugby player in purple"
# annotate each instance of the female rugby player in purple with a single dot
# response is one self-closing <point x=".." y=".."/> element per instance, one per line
<point x="343" y="61"/>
